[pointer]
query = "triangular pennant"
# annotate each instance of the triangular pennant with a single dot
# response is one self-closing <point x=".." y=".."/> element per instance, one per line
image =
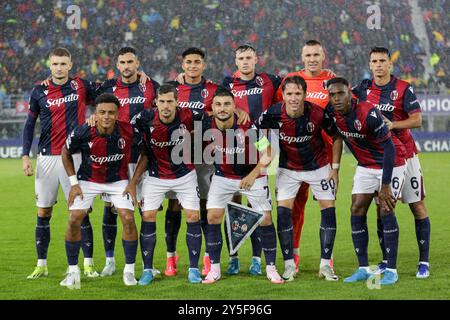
<point x="241" y="222"/>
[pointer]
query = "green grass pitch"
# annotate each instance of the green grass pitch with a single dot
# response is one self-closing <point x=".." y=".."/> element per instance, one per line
<point x="18" y="256"/>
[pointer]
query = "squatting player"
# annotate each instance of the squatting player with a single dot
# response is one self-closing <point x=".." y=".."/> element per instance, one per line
<point x="397" y="101"/>
<point x="106" y="152"/>
<point x="254" y="93"/>
<point x="237" y="171"/>
<point x="380" y="170"/>
<point x="60" y="106"/>
<point x="313" y="57"/>
<point x="303" y="159"/>
<point x="162" y="130"/>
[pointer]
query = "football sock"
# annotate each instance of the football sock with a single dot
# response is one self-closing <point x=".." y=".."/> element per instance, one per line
<point x="148" y="242"/>
<point x="130" y="250"/>
<point x="109" y="229"/>
<point x="360" y="237"/>
<point x="381" y="237"/>
<point x="423" y="230"/>
<point x="194" y="242"/>
<point x="284" y="229"/>
<point x="72" y="252"/>
<point x="255" y="238"/>
<point x="42" y="236"/>
<point x="327" y="232"/>
<point x="391" y="234"/>
<point x="204" y="223"/>
<point x="269" y="243"/>
<point x="87" y="238"/>
<point x="214" y="242"/>
<point x="172" y="227"/>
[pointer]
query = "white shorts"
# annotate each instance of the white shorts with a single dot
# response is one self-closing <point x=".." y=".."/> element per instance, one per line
<point x="185" y="189"/>
<point x="112" y="189"/>
<point x="131" y="170"/>
<point x="223" y="189"/>
<point x="50" y="173"/>
<point x="367" y="180"/>
<point x="289" y="181"/>
<point x="414" y="188"/>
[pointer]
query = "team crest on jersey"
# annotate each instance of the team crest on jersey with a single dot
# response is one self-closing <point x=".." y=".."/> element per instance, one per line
<point x="394" y="95"/>
<point x="310" y="127"/>
<point x="358" y="125"/>
<point x="204" y="93"/>
<point x="74" y="85"/>
<point x="182" y="128"/>
<point x="259" y="81"/>
<point x="142" y="87"/>
<point x="121" y="143"/>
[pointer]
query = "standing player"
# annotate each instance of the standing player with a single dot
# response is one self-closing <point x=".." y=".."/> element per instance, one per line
<point x="397" y="101"/>
<point x="134" y="96"/>
<point x="303" y="159"/>
<point x="162" y="131"/>
<point x="106" y="152"/>
<point x="381" y="170"/>
<point x="60" y="106"/>
<point x="194" y="93"/>
<point x="236" y="172"/>
<point x="313" y="57"/>
<point x="254" y="93"/>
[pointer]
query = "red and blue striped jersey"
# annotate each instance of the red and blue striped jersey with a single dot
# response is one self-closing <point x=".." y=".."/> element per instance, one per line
<point x="165" y="143"/>
<point x="396" y="101"/>
<point x="134" y="98"/>
<point x="105" y="158"/>
<point x="363" y="131"/>
<point x="60" y="109"/>
<point x="196" y="96"/>
<point x="233" y="150"/>
<point x="301" y="144"/>
<point x="253" y="96"/>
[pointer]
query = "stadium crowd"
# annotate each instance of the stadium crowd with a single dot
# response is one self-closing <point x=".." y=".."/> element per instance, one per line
<point x="30" y="29"/>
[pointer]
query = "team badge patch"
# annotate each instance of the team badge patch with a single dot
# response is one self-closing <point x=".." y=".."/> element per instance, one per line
<point x="204" y="93"/>
<point x="358" y="125"/>
<point x="259" y="81"/>
<point x="74" y="85"/>
<point x="310" y="127"/>
<point x="394" y="95"/>
<point x="241" y="222"/>
<point x="121" y="143"/>
<point x="142" y="87"/>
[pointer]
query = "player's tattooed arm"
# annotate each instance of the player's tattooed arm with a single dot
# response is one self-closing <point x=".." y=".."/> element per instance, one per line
<point x="248" y="181"/>
<point x="337" y="153"/>
<point x="413" y="121"/>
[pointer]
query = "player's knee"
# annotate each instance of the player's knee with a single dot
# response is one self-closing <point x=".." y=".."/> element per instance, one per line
<point x="418" y="209"/>
<point x="149" y="216"/>
<point x="45" y="212"/>
<point x="214" y="217"/>
<point x="358" y="209"/>
<point x="267" y="220"/>
<point x="192" y="215"/>
<point x="75" y="220"/>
